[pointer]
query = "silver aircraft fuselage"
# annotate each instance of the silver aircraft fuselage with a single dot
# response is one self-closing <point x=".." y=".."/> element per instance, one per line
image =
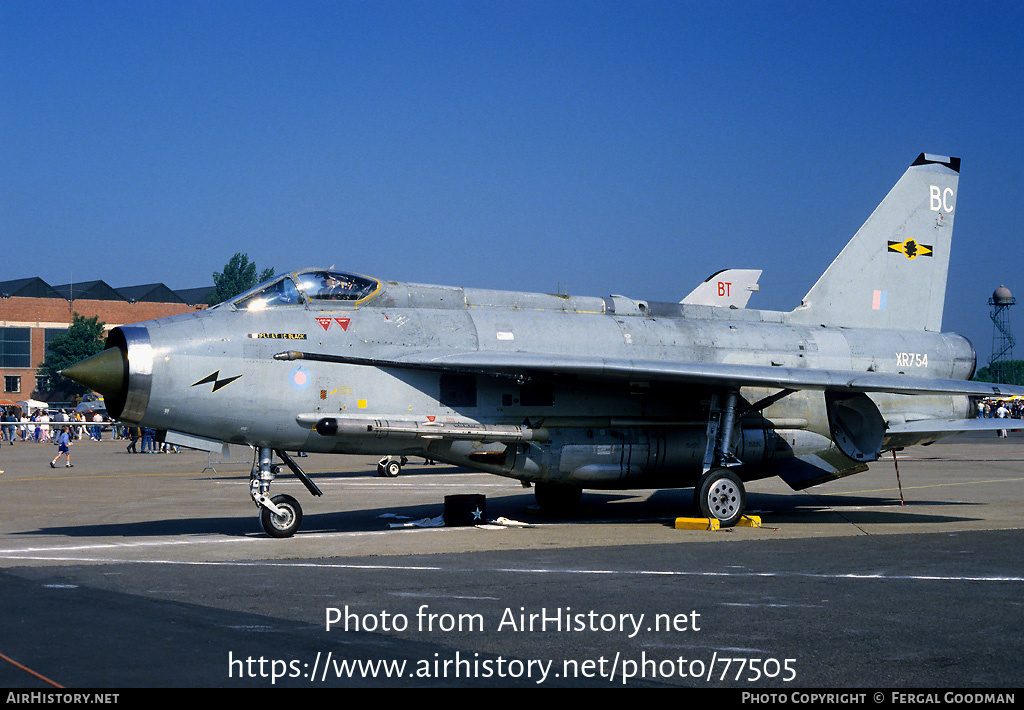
<point x="214" y="374"/>
<point x="572" y="392"/>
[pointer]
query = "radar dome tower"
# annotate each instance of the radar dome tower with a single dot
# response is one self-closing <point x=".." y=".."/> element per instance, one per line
<point x="1002" y="340"/>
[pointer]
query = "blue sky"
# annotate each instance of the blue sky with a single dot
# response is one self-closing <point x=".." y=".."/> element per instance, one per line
<point x="603" y="147"/>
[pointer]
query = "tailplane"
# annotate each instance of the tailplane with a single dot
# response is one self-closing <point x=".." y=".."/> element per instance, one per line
<point x="892" y="274"/>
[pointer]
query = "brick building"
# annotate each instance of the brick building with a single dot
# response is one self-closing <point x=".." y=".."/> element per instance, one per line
<point x="32" y="312"/>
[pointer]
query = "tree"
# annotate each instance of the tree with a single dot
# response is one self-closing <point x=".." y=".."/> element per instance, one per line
<point x="238" y="276"/>
<point x="83" y="339"/>
<point x="1008" y="372"/>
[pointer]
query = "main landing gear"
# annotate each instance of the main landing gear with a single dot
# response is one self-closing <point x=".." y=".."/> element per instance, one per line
<point x="719" y="491"/>
<point x="281" y="515"/>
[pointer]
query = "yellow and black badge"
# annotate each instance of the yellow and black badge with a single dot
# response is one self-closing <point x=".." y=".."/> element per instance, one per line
<point x="910" y="248"/>
<point x="279" y="336"/>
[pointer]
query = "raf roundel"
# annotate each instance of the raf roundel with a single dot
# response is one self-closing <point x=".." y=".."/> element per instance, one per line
<point x="299" y="377"/>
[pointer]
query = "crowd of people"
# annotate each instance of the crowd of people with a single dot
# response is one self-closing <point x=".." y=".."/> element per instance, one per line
<point x="1001" y="409"/>
<point x="43" y="425"/>
<point x="46" y="426"/>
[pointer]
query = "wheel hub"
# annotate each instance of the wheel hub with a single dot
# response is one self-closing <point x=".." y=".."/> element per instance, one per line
<point x="283" y="521"/>
<point x="723" y="499"/>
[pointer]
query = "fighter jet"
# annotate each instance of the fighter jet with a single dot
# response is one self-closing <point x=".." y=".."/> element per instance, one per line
<point x="567" y="393"/>
<point x="90" y="405"/>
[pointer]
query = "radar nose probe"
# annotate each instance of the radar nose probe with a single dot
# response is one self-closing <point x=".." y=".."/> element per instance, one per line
<point x="104" y="373"/>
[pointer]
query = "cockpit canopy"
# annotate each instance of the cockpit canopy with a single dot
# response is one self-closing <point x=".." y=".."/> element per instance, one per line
<point x="307" y="286"/>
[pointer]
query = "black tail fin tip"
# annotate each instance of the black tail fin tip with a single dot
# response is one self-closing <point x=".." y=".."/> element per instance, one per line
<point x="928" y="158"/>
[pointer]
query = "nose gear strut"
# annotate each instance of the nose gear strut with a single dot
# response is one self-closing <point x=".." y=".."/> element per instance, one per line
<point x="281" y="515"/>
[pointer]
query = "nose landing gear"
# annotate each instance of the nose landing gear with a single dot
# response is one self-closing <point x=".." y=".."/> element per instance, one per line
<point x="281" y="515"/>
<point x="390" y="467"/>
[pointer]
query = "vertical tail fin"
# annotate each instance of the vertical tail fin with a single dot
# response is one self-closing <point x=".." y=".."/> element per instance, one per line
<point x="892" y="274"/>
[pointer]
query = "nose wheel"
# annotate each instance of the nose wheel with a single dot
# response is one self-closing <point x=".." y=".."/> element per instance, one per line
<point x="285" y="522"/>
<point x="281" y="515"/>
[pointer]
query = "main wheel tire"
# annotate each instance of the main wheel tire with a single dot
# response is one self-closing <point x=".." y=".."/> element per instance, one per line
<point x="282" y="525"/>
<point x="392" y="469"/>
<point x="719" y="494"/>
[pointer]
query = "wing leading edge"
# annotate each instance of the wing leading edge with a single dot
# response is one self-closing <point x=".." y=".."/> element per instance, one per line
<point x="524" y="366"/>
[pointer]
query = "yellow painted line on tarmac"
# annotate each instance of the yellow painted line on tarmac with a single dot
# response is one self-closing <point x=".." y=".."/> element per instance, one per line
<point x="58" y="479"/>
<point x="911" y="488"/>
<point x="76" y="476"/>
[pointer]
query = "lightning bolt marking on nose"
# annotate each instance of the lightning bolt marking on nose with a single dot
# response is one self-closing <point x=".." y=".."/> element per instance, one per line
<point x="217" y="382"/>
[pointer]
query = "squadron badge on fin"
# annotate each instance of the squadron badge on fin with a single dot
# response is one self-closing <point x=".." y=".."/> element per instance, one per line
<point x="910" y="248"/>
